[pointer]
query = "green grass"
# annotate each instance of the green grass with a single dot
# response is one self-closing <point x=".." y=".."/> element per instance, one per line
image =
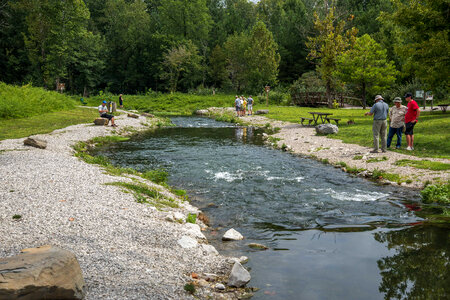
<point x="377" y="159"/>
<point x="431" y="134"/>
<point x="45" y="123"/>
<point x="424" y="164"/>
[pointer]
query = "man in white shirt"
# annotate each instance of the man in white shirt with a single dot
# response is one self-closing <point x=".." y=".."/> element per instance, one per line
<point x="103" y="111"/>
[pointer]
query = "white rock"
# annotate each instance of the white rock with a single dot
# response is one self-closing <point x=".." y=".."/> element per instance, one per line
<point x="239" y="276"/>
<point x="327" y="129"/>
<point x="178" y="216"/>
<point x="232" y="235"/>
<point x="194" y="231"/>
<point x="220" y="287"/>
<point x="187" y="242"/>
<point x="209" y="249"/>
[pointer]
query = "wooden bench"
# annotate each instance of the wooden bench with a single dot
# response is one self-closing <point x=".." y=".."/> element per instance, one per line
<point x="304" y="119"/>
<point x="335" y="120"/>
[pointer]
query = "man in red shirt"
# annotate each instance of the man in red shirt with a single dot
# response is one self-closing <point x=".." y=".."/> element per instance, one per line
<point x="411" y="118"/>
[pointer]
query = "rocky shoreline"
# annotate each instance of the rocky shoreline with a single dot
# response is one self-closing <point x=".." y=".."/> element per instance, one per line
<point x="302" y="140"/>
<point x="126" y="250"/>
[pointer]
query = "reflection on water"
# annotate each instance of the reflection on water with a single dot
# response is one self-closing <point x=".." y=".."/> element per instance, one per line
<point x="318" y="221"/>
<point x="420" y="267"/>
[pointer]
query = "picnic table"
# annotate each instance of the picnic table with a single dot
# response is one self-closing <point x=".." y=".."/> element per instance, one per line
<point x="443" y="107"/>
<point x="319" y="115"/>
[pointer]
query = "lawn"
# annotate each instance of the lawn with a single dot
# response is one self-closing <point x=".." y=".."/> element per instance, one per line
<point x="44" y="123"/>
<point x="431" y="134"/>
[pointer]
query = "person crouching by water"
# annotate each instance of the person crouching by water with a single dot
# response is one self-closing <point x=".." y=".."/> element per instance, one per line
<point x="379" y="111"/>
<point x="103" y="111"/>
<point x="397" y="118"/>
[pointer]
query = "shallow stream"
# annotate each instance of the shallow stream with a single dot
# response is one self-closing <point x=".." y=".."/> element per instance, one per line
<point x="330" y="235"/>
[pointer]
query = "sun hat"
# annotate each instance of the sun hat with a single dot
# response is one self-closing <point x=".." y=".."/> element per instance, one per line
<point x="378" y="97"/>
<point x="408" y="95"/>
<point x="398" y="99"/>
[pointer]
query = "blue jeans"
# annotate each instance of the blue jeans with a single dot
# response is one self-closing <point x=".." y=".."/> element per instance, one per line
<point x="391" y="133"/>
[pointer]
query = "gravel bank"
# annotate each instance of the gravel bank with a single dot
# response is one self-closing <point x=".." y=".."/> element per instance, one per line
<point x="126" y="250"/>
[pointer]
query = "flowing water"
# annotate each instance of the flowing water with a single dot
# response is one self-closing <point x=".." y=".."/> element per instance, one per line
<point x="330" y="235"/>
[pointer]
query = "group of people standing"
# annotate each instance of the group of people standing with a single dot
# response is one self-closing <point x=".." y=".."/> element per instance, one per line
<point x="400" y="116"/>
<point x="243" y="105"/>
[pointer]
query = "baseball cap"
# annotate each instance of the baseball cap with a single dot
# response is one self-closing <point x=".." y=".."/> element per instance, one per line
<point x="104" y="101"/>
<point x="408" y="95"/>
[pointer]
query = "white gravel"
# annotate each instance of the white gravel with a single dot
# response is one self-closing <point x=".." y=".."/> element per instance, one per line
<point x="126" y="250"/>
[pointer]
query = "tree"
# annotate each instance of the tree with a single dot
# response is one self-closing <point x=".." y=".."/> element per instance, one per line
<point x="182" y="62"/>
<point x="331" y="41"/>
<point x="185" y="19"/>
<point x="53" y="30"/>
<point x="235" y="47"/>
<point x="218" y="66"/>
<point x="262" y="57"/>
<point x="425" y="50"/>
<point x="366" y="65"/>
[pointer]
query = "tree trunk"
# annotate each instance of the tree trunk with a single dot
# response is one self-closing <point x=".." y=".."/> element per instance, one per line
<point x="329" y="100"/>
<point x="364" y="95"/>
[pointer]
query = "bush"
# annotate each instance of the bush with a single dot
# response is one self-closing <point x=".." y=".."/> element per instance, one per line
<point x="439" y="193"/>
<point x="27" y="101"/>
<point x="157" y="176"/>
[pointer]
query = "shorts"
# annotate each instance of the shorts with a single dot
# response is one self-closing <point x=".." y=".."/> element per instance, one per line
<point x="250" y="107"/>
<point x="107" y="116"/>
<point x="410" y="128"/>
<point x="238" y="108"/>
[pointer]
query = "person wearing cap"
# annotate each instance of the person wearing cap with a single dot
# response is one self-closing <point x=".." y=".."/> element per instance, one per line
<point x="237" y="105"/>
<point x="379" y="111"/>
<point x="397" y="121"/>
<point x="103" y="111"/>
<point x="411" y="118"/>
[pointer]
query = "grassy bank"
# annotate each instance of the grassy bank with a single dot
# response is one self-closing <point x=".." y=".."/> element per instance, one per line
<point x="431" y="134"/>
<point x="45" y="123"/>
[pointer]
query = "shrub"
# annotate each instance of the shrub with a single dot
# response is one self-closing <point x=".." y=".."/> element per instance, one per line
<point x="191" y="218"/>
<point x="439" y="193"/>
<point x="157" y="175"/>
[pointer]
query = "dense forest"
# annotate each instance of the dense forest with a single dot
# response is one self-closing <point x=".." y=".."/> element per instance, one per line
<point x="137" y="46"/>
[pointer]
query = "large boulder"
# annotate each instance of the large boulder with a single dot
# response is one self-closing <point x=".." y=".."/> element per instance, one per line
<point x="262" y="112"/>
<point x="232" y="235"/>
<point x="239" y="276"/>
<point x="327" y="129"/>
<point x="101" y="121"/>
<point x="37" y="143"/>
<point x="187" y="242"/>
<point x="45" y="272"/>
<point x="202" y="112"/>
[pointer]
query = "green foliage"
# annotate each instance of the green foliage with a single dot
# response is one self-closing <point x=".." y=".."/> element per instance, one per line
<point x="158" y="175"/>
<point x="377" y="159"/>
<point x="366" y="65"/>
<point x="191" y="218"/>
<point x="330" y="42"/>
<point x="381" y="174"/>
<point x="190" y="288"/>
<point x="357" y="157"/>
<point x="27" y="101"/>
<point x="17" y="217"/>
<point x="424" y="164"/>
<point x="439" y="193"/>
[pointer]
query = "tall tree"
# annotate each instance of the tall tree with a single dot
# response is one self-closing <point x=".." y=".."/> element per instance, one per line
<point x="181" y="64"/>
<point x="218" y="67"/>
<point x="54" y="28"/>
<point x="185" y="19"/>
<point x="331" y="41"/>
<point x="425" y="51"/>
<point x="366" y="65"/>
<point x="262" y="57"/>
<point x="235" y="48"/>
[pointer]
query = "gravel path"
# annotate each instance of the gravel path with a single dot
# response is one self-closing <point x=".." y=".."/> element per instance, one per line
<point x="126" y="250"/>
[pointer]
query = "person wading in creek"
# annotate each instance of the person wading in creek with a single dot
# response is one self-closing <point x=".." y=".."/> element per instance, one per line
<point x="379" y="111"/>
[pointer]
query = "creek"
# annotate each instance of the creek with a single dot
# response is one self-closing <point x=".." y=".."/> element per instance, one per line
<point x="330" y="235"/>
